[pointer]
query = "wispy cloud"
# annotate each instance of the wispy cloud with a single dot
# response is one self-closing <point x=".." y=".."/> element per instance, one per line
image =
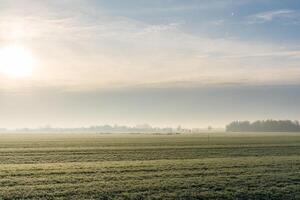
<point x="85" y="48"/>
<point x="268" y="16"/>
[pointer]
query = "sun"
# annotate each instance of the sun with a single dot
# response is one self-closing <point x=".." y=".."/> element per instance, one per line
<point x="16" y="61"/>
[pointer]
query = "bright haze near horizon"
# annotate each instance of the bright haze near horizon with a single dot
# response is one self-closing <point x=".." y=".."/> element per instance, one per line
<point x="72" y="63"/>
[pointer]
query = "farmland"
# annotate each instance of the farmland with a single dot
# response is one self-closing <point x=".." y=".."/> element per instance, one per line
<point x="95" y="166"/>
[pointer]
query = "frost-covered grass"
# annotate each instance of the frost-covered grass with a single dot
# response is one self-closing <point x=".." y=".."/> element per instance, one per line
<point x="91" y="166"/>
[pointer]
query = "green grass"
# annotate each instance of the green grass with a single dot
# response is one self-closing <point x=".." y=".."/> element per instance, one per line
<point x="91" y="166"/>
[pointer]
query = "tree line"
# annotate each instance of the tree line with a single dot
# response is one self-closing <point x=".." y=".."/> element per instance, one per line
<point x="264" y="126"/>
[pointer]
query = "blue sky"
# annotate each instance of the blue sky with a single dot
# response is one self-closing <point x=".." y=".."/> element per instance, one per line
<point x="239" y="19"/>
<point x="200" y="53"/>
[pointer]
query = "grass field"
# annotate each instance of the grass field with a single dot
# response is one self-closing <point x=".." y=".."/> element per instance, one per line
<point x="91" y="166"/>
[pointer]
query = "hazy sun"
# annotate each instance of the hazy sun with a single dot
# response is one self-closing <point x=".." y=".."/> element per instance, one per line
<point x="16" y="61"/>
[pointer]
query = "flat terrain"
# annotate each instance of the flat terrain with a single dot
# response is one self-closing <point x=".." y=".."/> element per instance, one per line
<point x="94" y="166"/>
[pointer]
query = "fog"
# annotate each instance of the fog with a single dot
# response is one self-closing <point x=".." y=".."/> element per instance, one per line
<point x="189" y="107"/>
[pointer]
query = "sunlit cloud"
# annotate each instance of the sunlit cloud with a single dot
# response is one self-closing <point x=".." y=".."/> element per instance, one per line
<point x="90" y="48"/>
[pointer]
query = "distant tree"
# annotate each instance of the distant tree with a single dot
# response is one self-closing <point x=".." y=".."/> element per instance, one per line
<point x="264" y="126"/>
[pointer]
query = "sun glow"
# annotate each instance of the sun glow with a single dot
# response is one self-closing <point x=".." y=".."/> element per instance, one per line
<point x="16" y="61"/>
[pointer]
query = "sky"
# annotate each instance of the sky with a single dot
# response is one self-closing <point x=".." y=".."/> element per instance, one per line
<point x="194" y="63"/>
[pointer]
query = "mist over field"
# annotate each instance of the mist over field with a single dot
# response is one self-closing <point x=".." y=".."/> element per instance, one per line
<point x="196" y="107"/>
